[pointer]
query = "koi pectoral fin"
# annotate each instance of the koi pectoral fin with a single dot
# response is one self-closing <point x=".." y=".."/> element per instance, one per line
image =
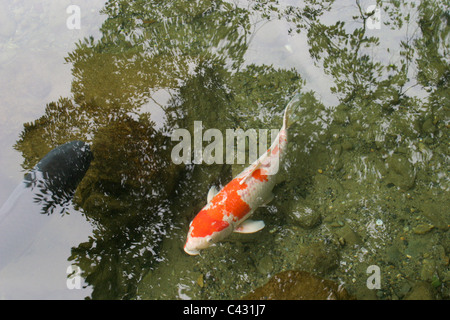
<point x="250" y="226"/>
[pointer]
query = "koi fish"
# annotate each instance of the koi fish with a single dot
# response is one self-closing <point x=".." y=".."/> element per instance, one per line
<point x="229" y="209"/>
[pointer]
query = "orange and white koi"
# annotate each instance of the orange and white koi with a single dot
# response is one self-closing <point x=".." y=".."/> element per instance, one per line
<point x="229" y="209"/>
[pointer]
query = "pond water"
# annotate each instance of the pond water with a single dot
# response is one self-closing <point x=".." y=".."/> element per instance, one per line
<point x="363" y="193"/>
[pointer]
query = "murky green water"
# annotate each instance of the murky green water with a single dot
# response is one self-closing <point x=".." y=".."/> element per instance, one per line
<point x="365" y="181"/>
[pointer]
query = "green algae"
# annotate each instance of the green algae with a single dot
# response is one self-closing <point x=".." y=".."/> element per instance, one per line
<point x="372" y="169"/>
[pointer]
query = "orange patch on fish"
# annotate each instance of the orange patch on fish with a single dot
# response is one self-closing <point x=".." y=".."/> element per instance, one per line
<point x="205" y="224"/>
<point x="275" y="150"/>
<point x="227" y="202"/>
<point x="233" y="202"/>
<point x="257" y="174"/>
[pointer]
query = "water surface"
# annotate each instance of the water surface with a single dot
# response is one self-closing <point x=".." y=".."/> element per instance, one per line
<point x="365" y="181"/>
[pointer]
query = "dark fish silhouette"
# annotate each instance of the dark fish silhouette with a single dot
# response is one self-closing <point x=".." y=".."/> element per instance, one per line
<point x="49" y="186"/>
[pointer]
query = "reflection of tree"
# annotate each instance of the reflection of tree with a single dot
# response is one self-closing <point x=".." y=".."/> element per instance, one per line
<point x="156" y="43"/>
<point x="132" y="191"/>
<point x="124" y="195"/>
<point x="64" y="120"/>
<point x="433" y="51"/>
<point x="195" y="51"/>
<point x="375" y="101"/>
<point x="244" y="99"/>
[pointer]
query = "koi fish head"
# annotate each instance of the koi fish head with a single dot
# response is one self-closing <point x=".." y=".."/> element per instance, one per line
<point x="204" y="231"/>
<point x="193" y="245"/>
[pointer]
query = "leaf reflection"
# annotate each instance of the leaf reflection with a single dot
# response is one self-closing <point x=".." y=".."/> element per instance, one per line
<point x="194" y="51"/>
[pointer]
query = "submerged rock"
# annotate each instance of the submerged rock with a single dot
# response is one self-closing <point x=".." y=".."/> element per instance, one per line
<point x="437" y="213"/>
<point x="299" y="285"/>
<point x="348" y="235"/>
<point x="423" y="228"/>
<point x="421" y="291"/>
<point x="319" y="258"/>
<point x="265" y="265"/>
<point x="305" y="216"/>
<point x="400" y="172"/>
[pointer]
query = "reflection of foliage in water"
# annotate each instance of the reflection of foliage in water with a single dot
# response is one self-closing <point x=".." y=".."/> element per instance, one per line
<point x="146" y="46"/>
<point x="377" y="137"/>
<point x="385" y="136"/>
<point x="184" y="47"/>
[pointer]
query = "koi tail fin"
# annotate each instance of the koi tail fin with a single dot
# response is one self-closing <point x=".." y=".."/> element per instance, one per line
<point x="288" y="118"/>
